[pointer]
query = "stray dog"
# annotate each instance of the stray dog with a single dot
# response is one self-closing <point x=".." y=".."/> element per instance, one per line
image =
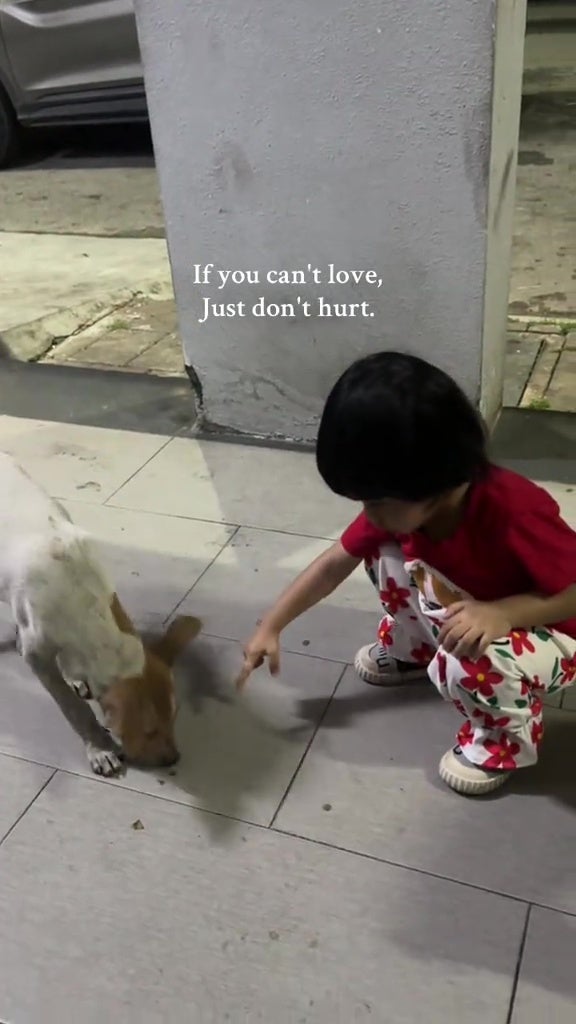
<point x="75" y="635"/>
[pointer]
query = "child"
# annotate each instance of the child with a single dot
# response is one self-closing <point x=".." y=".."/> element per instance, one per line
<point x="473" y="564"/>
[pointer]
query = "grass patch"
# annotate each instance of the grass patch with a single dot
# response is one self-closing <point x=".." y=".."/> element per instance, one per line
<point x="539" y="404"/>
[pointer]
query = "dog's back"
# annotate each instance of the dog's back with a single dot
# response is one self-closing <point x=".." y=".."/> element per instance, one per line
<point x="59" y="595"/>
<point x="28" y="519"/>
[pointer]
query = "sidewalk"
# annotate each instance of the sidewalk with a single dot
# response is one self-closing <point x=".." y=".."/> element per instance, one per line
<point x="53" y="285"/>
<point x="302" y="863"/>
<point x="143" y="335"/>
<point x="541" y="365"/>
<point x="140" y="334"/>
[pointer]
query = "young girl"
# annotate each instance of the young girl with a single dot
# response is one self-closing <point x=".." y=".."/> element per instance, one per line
<point x="474" y="567"/>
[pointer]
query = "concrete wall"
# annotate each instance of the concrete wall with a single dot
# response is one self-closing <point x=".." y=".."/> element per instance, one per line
<point x="354" y="132"/>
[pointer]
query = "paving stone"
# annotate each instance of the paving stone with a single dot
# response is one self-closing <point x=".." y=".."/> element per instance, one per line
<point x="165" y="356"/>
<point x="561" y="391"/>
<point x="115" y="348"/>
<point x="541" y="327"/>
<point x="570" y="341"/>
<point x="124" y="336"/>
<point x="515" y="325"/>
<point x="537" y="387"/>
<point x="521" y="353"/>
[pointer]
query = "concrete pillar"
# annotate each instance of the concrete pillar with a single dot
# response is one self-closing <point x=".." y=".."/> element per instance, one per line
<point x="368" y="134"/>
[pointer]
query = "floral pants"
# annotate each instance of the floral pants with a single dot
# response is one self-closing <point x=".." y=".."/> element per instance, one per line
<point x="499" y="694"/>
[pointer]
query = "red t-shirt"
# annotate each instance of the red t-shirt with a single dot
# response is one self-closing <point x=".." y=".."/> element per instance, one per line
<point x="511" y="540"/>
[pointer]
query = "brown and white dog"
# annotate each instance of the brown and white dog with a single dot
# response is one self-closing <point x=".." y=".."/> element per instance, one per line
<point x="76" y="636"/>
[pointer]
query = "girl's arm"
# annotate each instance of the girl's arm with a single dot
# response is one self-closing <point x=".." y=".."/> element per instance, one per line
<point x="315" y="583"/>
<point x="320" y="579"/>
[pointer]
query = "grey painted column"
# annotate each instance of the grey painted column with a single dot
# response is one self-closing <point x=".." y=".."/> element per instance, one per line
<point x="368" y="134"/>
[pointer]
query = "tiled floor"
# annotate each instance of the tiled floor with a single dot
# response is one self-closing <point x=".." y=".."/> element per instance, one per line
<point x="303" y="863"/>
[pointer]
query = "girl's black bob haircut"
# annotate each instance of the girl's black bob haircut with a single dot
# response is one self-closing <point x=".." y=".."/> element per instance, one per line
<point x="394" y="426"/>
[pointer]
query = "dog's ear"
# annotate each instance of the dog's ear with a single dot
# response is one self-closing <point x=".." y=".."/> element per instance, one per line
<point x="179" y="634"/>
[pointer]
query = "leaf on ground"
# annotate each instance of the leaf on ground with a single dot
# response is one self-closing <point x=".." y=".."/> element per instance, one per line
<point x="137" y="825"/>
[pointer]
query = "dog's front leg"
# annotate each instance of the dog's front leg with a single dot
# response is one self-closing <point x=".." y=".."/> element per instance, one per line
<point x="103" y="753"/>
<point x="11" y="643"/>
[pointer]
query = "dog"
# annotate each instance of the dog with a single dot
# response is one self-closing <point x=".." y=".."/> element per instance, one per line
<point x="76" y="637"/>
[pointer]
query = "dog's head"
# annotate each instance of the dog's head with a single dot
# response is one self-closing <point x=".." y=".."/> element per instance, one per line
<point x="140" y="710"/>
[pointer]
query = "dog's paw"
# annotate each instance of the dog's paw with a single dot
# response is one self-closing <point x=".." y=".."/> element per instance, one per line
<point x="105" y="762"/>
<point x="81" y="689"/>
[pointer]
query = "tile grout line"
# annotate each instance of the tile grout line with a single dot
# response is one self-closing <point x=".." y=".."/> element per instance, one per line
<point x="200" y="519"/>
<point x="136" y="471"/>
<point x="306" y="750"/>
<point x="518" y="967"/>
<point x="28" y="805"/>
<point x="285" y="650"/>
<point x="281" y="833"/>
<point x="202" y="574"/>
<point x="529" y="376"/>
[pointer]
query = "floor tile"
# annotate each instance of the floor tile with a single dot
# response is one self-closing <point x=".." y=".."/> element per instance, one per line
<point x="569" y="701"/>
<point x="21" y="782"/>
<point x="166" y="923"/>
<point x="31" y="725"/>
<point x="238" y="754"/>
<point x="547" y="982"/>
<point x="152" y="560"/>
<point x="262" y="487"/>
<point x="252" y="571"/>
<point x="369" y="783"/>
<point x="71" y="461"/>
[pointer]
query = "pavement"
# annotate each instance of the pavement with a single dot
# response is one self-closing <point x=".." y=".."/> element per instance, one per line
<point x="549" y="64"/>
<point x="82" y="233"/>
<point x="541" y="366"/>
<point x="139" y="334"/>
<point x="87" y="203"/>
<point x="543" y="274"/>
<point x="303" y="862"/>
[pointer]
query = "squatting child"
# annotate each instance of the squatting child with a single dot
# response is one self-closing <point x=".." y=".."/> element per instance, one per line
<point x="473" y="564"/>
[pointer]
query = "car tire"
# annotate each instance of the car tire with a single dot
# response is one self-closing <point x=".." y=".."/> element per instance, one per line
<point x="9" y="131"/>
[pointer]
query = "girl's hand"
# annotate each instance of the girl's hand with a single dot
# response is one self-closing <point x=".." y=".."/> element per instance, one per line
<point x="471" y="626"/>
<point x="265" y="643"/>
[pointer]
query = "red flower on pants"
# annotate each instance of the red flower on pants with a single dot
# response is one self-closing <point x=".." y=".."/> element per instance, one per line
<point x="441" y="662"/>
<point x="521" y="642"/>
<point x="460" y="707"/>
<point x="568" y="666"/>
<point x="481" y="676"/>
<point x="536" y="707"/>
<point x="494" y="723"/>
<point x="385" y="634"/>
<point x="394" y="597"/>
<point x="502" y="753"/>
<point x="537" y="684"/>
<point x="537" y="732"/>
<point x="422" y="655"/>
<point x="466" y="734"/>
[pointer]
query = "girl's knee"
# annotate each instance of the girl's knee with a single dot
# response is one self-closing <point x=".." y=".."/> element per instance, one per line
<point x="439" y="672"/>
<point x="455" y="677"/>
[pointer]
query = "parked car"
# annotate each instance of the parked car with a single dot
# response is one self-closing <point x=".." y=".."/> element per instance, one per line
<point x="67" y="62"/>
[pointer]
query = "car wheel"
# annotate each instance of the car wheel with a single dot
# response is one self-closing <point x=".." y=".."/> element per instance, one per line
<point x="9" y="131"/>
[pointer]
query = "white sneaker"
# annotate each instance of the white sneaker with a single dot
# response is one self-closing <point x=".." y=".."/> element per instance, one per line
<point x="375" y="666"/>
<point x="470" y="779"/>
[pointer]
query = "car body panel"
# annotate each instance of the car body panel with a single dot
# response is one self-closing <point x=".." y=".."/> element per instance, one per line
<point x="71" y="61"/>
